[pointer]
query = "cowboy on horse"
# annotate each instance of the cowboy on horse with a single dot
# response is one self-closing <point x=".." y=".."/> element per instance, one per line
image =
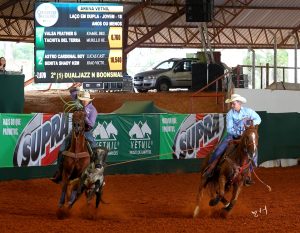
<point x="98" y="156"/>
<point x="236" y="120"/>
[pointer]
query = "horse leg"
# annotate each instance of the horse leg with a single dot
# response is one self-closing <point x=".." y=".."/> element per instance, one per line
<point x="86" y="193"/>
<point x="199" y="196"/>
<point x="235" y="193"/>
<point x="63" y="195"/>
<point x="73" y="198"/>
<point x="221" y="192"/>
<point x="98" y="192"/>
<point x="98" y="198"/>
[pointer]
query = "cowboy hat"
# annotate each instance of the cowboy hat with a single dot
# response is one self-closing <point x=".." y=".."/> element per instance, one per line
<point x="236" y="97"/>
<point x="85" y="96"/>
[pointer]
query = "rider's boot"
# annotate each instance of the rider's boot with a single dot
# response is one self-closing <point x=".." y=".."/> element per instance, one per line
<point x="58" y="174"/>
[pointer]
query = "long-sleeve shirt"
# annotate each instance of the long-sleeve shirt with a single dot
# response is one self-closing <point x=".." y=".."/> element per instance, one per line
<point x="91" y="115"/>
<point x="236" y="121"/>
<point x="90" y="110"/>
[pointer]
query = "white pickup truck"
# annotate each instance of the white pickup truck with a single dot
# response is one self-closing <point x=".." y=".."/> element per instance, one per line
<point x="172" y="73"/>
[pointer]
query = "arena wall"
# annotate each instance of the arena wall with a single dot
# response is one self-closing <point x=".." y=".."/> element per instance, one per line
<point x="279" y="139"/>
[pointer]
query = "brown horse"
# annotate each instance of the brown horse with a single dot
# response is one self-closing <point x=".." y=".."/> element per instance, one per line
<point x="76" y="158"/>
<point x="231" y="170"/>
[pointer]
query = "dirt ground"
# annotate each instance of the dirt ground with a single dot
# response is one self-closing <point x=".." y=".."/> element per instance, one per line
<point x="154" y="203"/>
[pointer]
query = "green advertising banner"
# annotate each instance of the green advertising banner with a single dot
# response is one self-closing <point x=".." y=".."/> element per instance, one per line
<point x="169" y="126"/>
<point x="11" y="128"/>
<point x="185" y="136"/>
<point x="128" y="137"/>
<point x="34" y="139"/>
<point x="31" y="139"/>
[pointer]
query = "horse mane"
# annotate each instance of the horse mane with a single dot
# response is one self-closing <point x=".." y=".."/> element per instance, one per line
<point x="242" y="142"/>
<point x="78" y="116"/>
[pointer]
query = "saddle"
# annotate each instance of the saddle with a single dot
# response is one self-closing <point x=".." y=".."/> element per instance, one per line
<point x="212" y="168"/>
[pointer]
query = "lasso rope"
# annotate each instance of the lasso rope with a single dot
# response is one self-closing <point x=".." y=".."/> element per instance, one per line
<point x="268" y="186"/>
<point x="148" y="157"/>
<point x="69" y="105"/>
<point x="134" y="160"/>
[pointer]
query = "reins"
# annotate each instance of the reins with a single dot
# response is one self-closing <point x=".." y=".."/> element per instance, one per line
<point x="247" y="166"/>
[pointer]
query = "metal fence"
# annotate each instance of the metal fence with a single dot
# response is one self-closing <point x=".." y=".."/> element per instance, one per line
<point x="264" y="76"/>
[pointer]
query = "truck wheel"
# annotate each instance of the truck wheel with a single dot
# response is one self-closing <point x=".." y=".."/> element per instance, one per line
<point x="163" y="86"/>
<point x="142" y="91"/>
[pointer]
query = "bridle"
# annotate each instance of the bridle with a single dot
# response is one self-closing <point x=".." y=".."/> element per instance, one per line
<point x="78" y="124"/>
<point x="253" y="142"/>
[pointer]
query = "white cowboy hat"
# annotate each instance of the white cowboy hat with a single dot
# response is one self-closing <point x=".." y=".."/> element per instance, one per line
<point x="236" y="97"/>
<point x="85" y="96"/>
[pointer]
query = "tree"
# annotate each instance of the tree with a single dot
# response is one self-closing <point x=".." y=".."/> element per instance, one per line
<point x="262" y="57"/>
<point x="23" y="51"/>
<point x="267" y="56"/>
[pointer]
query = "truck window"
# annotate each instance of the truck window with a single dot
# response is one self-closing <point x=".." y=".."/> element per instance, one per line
<point x="165" y="65"/>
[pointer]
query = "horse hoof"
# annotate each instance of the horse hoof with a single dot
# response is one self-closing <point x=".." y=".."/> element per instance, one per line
<point x="62" y="213"/>
<point x="196" y="212"/>
<point x="228" y="207"/>
<point x="214" y="202"/>
<point x="226" y="204"/>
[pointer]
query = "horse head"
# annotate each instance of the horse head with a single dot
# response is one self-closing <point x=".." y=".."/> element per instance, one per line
<point x="78" y="122"/>
<point x="249" y="140"/>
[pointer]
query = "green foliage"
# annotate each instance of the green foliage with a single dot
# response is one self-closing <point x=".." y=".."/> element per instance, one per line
<point x="23" y="51"/>
<point x="267" y="56"/>
<point x="2" y="50"/>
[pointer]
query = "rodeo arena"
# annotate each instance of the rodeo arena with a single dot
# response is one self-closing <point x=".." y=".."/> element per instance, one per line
<point x="149" y="116"/>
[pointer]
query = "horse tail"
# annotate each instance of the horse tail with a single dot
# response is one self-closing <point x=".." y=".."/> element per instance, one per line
<point x="197" y="208"/>
<point x="199" y="196"/>
<point x="202" y="184"/>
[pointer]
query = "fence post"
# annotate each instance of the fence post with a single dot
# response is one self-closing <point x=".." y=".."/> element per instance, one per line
<point x="238" y="73"/>
<point x="267" y="74"/>
<point x="261" y="77"/>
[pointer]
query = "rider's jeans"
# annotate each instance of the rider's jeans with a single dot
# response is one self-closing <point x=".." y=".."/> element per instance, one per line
<point x="89" y="136"/>
<point x="221" y="148"/>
